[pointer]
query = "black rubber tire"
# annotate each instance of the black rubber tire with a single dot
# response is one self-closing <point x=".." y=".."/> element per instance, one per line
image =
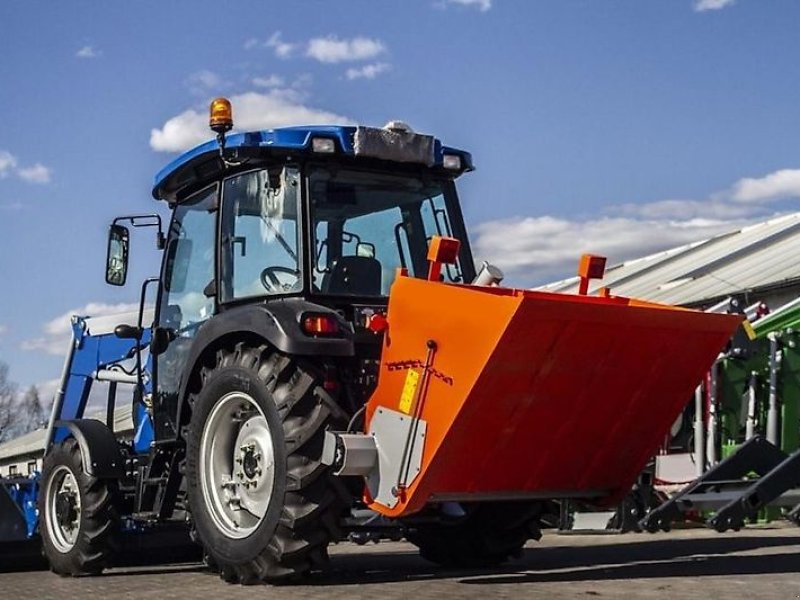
<point x="307" y="502"/>
<point x="488" y="535"/>
<point x="99" y="524"/>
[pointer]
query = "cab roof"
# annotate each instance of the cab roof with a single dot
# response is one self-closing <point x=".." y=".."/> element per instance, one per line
<point x="201" y="164"/>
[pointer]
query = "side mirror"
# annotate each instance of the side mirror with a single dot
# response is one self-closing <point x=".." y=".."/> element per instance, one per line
<point x="117" y="255"/>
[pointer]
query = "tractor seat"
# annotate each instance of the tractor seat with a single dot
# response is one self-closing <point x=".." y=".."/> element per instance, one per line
<point x="354" y="276"/>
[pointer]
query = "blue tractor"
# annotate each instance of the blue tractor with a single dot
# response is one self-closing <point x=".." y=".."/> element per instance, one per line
<point x="279" y="254"/>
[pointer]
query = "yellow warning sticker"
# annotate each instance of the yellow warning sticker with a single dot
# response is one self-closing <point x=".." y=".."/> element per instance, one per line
<point x="748" y="329"/>
<point x="409" y="391"/>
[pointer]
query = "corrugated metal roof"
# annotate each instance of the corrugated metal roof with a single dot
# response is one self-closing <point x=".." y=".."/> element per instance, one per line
<point x="750" y="259"/>
<point x="33" y="442"/>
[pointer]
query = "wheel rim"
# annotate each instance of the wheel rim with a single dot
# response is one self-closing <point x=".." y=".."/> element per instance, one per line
<point x="63" y="509"/>
<point x="237" y="465"/>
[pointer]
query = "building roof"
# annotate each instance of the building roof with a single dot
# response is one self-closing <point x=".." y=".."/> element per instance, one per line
<point x="753" y="259"/>
<point x="33" y="443"/>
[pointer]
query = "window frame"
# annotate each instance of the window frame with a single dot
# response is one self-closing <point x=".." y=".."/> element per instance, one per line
<point x="300" y="238"/>
<point x="451" y="203"/>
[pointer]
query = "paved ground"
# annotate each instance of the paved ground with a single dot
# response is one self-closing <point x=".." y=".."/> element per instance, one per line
<point x="755" y="563"/>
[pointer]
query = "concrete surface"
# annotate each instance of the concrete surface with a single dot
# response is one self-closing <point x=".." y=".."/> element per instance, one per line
<point x="754" y="563"/>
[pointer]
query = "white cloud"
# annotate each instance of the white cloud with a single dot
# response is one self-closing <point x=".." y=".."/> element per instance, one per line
<point x="370" y="71"/>
<point x="282" y="49"/>
<point x="57" y="331"/>
<point x="540" y="247"/>
<point x="3" y="330"/>
<point x="481" y="5"/>
<point x="536" y="248"/>
<point x="783" y="184"/>
<point x="88" y="52"/>
<point x="38" y="173"/>
<point x="252" y="111"/>
<point x="251" y="43"/>
<point x="333" y="50"/>
<point x="268" y="82"/>
<point x="8" y="163"/>
<point x="202" y="82"/>
<point x="704" y="5"/>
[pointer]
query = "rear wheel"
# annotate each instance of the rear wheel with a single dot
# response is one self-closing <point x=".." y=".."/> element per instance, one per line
<point x="263" y="505"/>
<point x="486" y="535"/>
<point x="79" y="522"/>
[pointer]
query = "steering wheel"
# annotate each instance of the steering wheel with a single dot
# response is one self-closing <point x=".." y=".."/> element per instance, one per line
<point x="272" y="283"/>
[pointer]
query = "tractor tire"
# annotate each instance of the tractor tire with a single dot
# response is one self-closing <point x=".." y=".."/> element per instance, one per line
<point x="78" y="518"/>
<point x="262" y="503"/>
<point x="488" y="535"/>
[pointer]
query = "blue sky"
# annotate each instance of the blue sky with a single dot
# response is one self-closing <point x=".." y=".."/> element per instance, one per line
<point x="614" y="126"/>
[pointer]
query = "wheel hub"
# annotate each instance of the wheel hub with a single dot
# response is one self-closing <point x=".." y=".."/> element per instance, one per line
<point x="250" y="462"/>
<point x="66" y="509"/>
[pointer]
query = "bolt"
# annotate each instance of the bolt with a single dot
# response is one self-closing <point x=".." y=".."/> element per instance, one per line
<point x="258" y="472"/>
<point x="240" y="475"/>
<point x="239" y="461"/>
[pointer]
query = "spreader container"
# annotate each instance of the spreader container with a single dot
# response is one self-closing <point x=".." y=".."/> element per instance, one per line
<point x="489" y="393"/>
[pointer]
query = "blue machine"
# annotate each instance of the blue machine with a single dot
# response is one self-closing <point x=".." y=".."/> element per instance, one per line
<point x="91" y="357"/>
<point x="281" y="247"/>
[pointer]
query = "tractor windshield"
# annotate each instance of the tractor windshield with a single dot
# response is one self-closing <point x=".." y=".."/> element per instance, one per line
<point x="365" y="225"/>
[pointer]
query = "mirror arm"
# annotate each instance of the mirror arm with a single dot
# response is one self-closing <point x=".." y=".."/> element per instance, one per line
<point x="149" y="220"/>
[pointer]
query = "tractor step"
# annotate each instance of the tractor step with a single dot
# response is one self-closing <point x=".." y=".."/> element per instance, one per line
<point x="731" y="490"/>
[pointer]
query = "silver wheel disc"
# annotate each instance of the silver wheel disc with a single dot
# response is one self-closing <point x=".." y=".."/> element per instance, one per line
<point x="236" y="465"/>
<point x="63" y="509"/>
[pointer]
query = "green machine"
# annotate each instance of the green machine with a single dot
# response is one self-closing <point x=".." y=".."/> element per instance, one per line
<point x="747" y="430"/>
<point x="758" y="384"/>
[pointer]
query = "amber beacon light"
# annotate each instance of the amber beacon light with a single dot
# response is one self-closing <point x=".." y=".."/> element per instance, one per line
<point x="220" y="117"/>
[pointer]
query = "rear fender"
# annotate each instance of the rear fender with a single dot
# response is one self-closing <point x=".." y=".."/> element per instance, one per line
<point x="276" y="323"/>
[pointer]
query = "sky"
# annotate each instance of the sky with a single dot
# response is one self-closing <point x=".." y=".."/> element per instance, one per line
<point x="619" y="127"/>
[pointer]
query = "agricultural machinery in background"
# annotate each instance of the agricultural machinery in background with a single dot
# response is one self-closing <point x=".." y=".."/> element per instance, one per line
<point x="324" y="361"/>
<point x="744" y="446"/>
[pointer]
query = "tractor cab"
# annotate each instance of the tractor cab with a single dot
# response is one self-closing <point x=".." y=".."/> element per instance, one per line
<point x="294" y="236"/>
<point x="324" y="214"/>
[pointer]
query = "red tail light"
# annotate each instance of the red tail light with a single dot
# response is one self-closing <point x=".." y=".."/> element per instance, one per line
<point x="320" y="324"/>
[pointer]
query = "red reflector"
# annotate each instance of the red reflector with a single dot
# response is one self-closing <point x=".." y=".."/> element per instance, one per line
<point x="377" y="323"/>
<point x="320" y="325"/>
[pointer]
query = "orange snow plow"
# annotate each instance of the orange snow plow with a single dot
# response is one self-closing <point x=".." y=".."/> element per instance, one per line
<point x="489" y="393"/>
